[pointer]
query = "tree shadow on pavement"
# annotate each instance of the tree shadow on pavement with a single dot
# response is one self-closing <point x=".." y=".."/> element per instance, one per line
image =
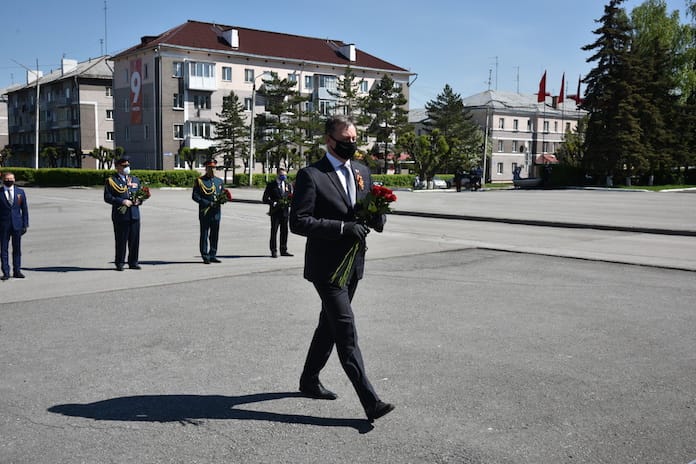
<point x="193" y="409"/>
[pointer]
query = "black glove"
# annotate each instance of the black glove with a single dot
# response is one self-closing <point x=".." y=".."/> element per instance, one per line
<point x="377" y="222"/>
<point x="355" y="229"/>
<point x="24" y="230"/>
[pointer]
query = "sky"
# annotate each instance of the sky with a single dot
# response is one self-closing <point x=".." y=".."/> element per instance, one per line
<point x="471" y="45"/>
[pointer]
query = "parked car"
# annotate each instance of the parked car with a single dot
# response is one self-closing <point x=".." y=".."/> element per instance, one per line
<point x="439" y="183"/>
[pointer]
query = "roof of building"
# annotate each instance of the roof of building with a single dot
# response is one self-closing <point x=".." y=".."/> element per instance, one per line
<point x="253" y="42"/>
<point x="511" y="102"/>
<point x="97" y="68"/>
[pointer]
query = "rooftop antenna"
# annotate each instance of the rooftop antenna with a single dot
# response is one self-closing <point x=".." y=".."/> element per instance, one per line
<point x="496" y="73"/>
<point x="106" y="49"/>
<point x="490" y="71"/>
<point x="518" y="78"/>
<point x="101" y="44"/>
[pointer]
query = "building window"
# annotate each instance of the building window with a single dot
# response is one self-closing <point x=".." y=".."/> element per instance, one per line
<point x="127" y="133"/>
<point x="145" y="71"/>
<point x="514" y="146"/>
<point x="248" y="75"/>
<point x="309" y="82"/>
<point x="292" y="77"/>
<point x="147" y="131"/>
<point x="515" y="124"/>
<point x="545" y="147"/>
<point x="109" y="114"/>
<point x="109" y="92"/>
<point x="178" y="69"/>
<point x="567" y="127"/>
<point x="501" y="145"/>
<point x="178" y="102"/>
<point x="546" y="126"/>
<point x="514" y="167"/>
<point x="178" y="131"/>
<point x="200" y="129"/>
<point x="529" y="125"/>
<point x="325" y="107"/>
<point x="327" y="82"/>
<point x="226" y="73"/>
<point x="201" y="101"/>
<point x="501" y="123"/>
<point x="110" y="136"/>
<point x="364" y="86"/>
<point x="499" y="168"/>
<point x="555" y="126"/>
<point x="247" y="104"/>
<point x="199" y="69"/>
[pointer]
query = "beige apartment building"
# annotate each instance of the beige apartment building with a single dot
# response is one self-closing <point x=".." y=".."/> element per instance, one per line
<point x="169" y="88"/>
<point x="523" y="132"/>
<point x="75" y="114"/>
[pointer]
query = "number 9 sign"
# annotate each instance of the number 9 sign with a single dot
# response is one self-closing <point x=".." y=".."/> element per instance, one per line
<point x="136" y="86"/>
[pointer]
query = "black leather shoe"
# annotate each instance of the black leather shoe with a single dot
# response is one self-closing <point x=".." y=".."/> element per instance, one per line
<point x="206" y="261"/>
<point x="18" y="275"/>
<point x="134" y="266"/>
<point x="285" y="253"/>
<point x="274" y="254"/>
<point x="119" y="267"/>
<point x="317" y="391"/>
<point x="5" y="277"/>
<point x="214" y="260"/>
<point x="378" y="410"/>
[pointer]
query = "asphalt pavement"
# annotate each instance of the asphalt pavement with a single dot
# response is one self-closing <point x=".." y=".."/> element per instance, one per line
<point x="506" y="326"/>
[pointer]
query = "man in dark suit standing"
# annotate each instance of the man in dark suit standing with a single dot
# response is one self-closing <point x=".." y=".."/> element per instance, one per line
<point x="125" y="213"/>
<point x="277" y="195"/>
<point x="14" y="222"/>
<point x="205" y="191"/>
<point x="323" y="210"/>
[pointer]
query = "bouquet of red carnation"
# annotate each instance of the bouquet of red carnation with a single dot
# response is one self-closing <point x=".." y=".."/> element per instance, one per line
<point x="137" y="198"/>
<point x="368" y="211"/>
<point x="281" y="204"/>
<point x="220" y="199"/>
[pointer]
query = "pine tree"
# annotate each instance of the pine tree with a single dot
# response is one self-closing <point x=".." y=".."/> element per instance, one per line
<point x="464" y="138"/>
<point x="613" y="138"/>
<point x="231" y="132"/>
<point x="347" y="94"/>
<point x="385" y="105"/>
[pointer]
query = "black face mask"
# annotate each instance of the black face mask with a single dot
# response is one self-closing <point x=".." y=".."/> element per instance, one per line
<point x="345" y="150"/>
<point x="8" y="183"/>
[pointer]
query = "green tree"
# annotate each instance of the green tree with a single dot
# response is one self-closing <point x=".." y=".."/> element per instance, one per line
<point x="347" y="94"/>
<point x="385" y="105"/>
<point x="231" y="132"/>
<point x="464" y="138"/>
<point x="612" y="143"/>
<point x="5" y="154"/>
<point x="52" y="155"/>
<point x="189" y="155"/>
<point x="571" y="150"/>
<point x="275" y="128"/>
<point x="427" y="151"/>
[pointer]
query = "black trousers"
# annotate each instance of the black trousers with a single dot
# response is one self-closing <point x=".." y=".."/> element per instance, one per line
<point x="127" y="235"/>
<point x="279" y="221"/>
<point x="15" y="236"/>
<point x="208" y="242"/>
<point x="337" y="327"/>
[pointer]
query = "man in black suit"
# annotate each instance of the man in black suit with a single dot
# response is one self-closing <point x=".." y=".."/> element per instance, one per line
<point x="323" y="210"/>
<point x="277" y="195"/>
<point x="14" y="222"/>
<point x="125" y="214"/>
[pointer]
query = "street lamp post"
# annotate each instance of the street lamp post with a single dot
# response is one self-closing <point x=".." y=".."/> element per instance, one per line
<point x="251" y="135"/>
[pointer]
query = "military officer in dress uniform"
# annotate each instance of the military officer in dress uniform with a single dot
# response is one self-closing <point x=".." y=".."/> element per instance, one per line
<point x="125" y="213"/>
<point x="206" y="190"/>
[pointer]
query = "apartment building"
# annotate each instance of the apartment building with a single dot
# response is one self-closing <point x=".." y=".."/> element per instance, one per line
<point x="523" y="133"/>
<point x="75" y="114"/>
<point x="169" y="88"/>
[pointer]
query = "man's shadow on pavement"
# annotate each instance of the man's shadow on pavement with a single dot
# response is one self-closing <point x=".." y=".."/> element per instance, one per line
<point x="193" y="409"/>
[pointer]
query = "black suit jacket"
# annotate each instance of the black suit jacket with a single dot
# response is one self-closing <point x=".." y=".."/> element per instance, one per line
<point x="319" y="206"/>
<point x="272" y="194"/>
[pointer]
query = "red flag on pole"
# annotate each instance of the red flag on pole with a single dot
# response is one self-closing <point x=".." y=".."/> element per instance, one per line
<point x="541" y="96"/>
<point x="561" y="95"/>
<point x="577" y="97"/>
